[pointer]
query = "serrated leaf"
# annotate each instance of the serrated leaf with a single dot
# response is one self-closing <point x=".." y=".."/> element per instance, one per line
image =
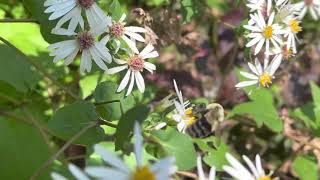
<point x="178" y="145"/>
<point x="125" y="126"/>
<point x="71" y="119"/>
<point x="261" y="109"/>
<point x="217" y="157"/>
<point x="306" y="168"/>
<point x="16" y="71"/>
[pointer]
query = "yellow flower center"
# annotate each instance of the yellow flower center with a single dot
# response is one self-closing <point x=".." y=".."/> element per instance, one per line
<point x="294" y="25"/>
<point x="264" y="178"/>
<point x="265" y="79"/>
<point x="189" y="116"/>
<point x="268" y="32"/>
<point x="143" y="173"/>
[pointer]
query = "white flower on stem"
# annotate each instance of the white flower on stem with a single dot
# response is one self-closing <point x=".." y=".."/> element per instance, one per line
<point x="183" y="113"/>
<point x="291" y="32"/>
<point x="75" y="171"/>
<point x="87" y="45"/>
<point x="161" y="170"/>
<point x="262" y="33"/>
<point x="70" y="10"/>
<point x="239" y="172"/>
<point x="261" y="76"/>
<point x="312" y="5"/>
<point x="135" y="65"/>
<point x="201" y="176"/>
<point x="263" y="6"/>
<point x="119" y="30"/>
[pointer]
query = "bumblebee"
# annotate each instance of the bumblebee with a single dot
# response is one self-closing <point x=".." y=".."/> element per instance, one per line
<point x="208" y="118"/>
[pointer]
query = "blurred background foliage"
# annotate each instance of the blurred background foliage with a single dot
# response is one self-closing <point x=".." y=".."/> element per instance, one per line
<point x="43" y="105"/>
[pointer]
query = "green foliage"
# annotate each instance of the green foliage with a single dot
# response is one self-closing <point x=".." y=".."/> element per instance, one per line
<point x="16" y="71"/>
<point x="115" y="10"/>
<point x="36" y="9"/>
<point x="125" y="126"/>
<point x="189" y="9"/>
<point x="218" y="4"/>
<point x="178" y="145"/>
<point x="261" y="108"/>
<point x="23" y="150"/>
<point x="117" y="103"/>
<point x="71" y="119"/>
<point x="310" y="112"/>
<point x="216" y="150"/>
<point x="306" y="168"/>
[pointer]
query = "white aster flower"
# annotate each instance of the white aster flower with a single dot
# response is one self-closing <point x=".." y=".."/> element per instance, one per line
<point x="262" y="33"/>
<point x="161" y="170"/>
<point x="135" y="65"/>
<point x="261" y="76"/>
<point x="183" y="113"/>
<point x="312" y="5"/>
<point x="87" y="45"/>
<point x="70" y="10"/>
<point x="239" y="172"/>
<point x="75" y="171"/>
<point x="263" y="6"/>
<point x="293" y="28"/>
<point x="212" y="173"/>
<point x="129" y="34"/>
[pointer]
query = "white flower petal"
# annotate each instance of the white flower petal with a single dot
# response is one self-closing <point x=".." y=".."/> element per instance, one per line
<point x="138" y="144"/>
<point x="124" y="81"/>
<point x="76" y="172"/>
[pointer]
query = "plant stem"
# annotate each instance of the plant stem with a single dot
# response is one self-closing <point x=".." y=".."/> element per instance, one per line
<point x="106" y="102"/>
<point x="40" y="69"/>
<point x="28" y="20"/>
<point x="61" y="150"/>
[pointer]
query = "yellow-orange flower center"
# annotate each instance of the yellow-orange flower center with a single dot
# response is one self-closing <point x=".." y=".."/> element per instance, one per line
<point x="189" y="117"/>
<point x="143" y="173"/>
<point x="294" y="26"/>
<point x="264" y="178"/>
<point x="268" y="32"/>
<point x="265" y="79"/>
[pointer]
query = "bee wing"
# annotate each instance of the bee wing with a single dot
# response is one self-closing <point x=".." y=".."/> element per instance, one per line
<point x="215" y="113"/>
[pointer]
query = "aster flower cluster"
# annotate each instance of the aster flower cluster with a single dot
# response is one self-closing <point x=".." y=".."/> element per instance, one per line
<point x="117" y="169"/>
<point x="272" y="33"/>
<point x="89" y="37"/>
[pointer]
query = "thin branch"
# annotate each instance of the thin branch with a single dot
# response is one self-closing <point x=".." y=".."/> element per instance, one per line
<point x="40" y="69"/>
<point x="228" y="25"/>
<point x="107" y="123"/>
<point x="187" y="174"/>
<point x="14" y="116"/>
<point x="106" y="102"/>
<point x="27" y="20"/>
<point x="61" y="150"/>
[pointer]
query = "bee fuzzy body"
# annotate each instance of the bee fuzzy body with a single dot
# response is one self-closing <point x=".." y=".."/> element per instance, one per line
<point x="208" y="118"/>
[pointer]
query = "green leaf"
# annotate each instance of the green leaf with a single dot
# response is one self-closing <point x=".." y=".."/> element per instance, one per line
<point x="188" y="10"/>
<point x="106" y="92"/>
<point x="125" y="126"/>
<point x="16" y="71"/>
<point x="115" y="10"/>
<point x="261" y="108"/>
<point x="218" y="4"/>
<point x="306" y="168"/>
<point x="315" y="90"/>
<point x="22" y="149"/>
<point x="71" y="119"/>
<point x="217" y="157"/>
<point x="178" y="145"/>
<point x="36" y="9"/>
